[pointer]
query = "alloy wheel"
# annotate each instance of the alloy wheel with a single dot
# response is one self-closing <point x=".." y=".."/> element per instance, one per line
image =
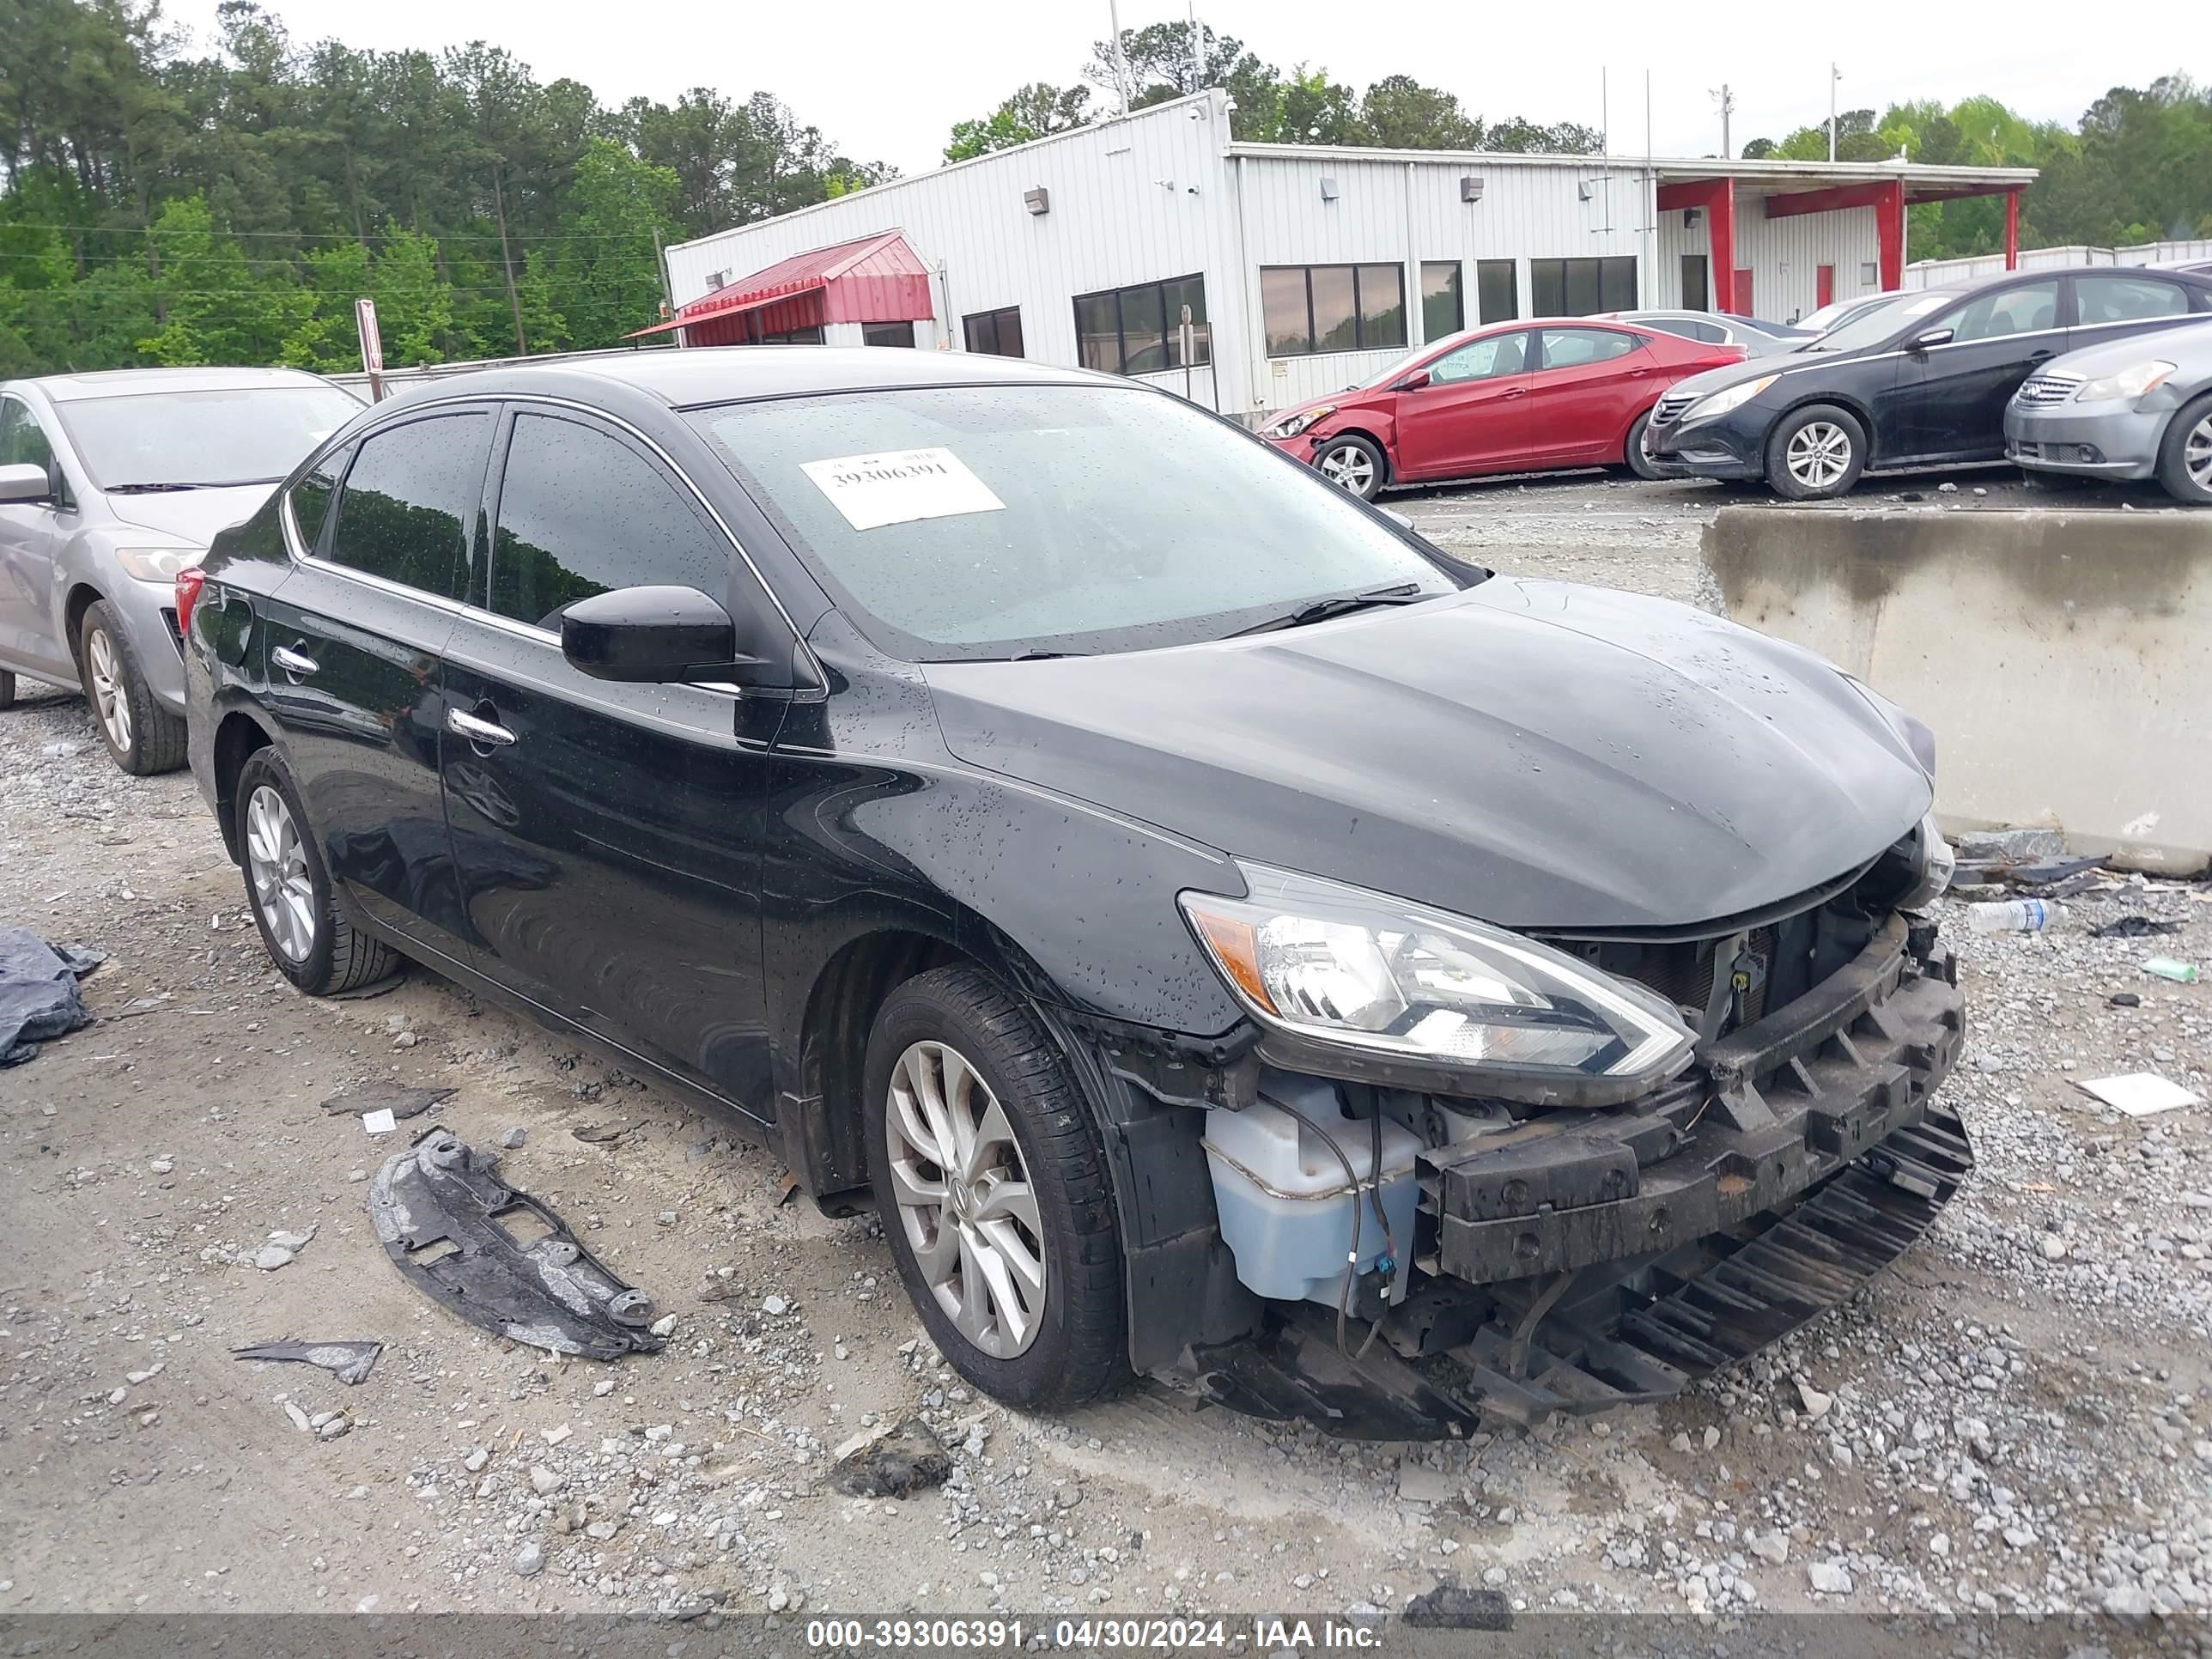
<point x="2196" y="454"/>
<point x="1819" y="454"/>
<point x="111" y="696"/>
<point x="276" y="864"/>
<point x="1352" y="468"/>
<point x="964" y="1199"/>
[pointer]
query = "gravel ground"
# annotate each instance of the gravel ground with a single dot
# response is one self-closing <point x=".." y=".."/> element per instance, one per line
<point x="2017" y="1418"/>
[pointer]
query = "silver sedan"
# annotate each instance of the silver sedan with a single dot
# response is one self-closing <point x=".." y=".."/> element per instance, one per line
<point x="2138" y="408"/>
<point x="112" y="482"/>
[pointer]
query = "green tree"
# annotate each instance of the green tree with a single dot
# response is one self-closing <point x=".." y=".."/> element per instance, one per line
<point x="1036" y="111"/>
<point x="1399" y="113"/>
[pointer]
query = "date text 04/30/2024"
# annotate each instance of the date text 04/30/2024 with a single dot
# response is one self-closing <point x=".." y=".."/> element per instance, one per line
<point x="1265" y="1635"/>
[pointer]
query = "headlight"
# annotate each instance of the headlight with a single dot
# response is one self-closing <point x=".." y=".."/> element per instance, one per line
<point x="2130" y="382"/>
<point x="1291" y="425"/>
<point x="1735" y="398"/>
<point x="154" y="564"/>
<point x="1386" y="975"/>
<point x="1933" y="863"/>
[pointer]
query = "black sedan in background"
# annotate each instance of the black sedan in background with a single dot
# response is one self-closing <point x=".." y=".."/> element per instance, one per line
<point x="1020" y="794"/>
<point x="1921" y="382"/>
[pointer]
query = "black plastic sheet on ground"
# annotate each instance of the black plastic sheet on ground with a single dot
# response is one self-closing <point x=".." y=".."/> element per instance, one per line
<point x="39" y="997"/>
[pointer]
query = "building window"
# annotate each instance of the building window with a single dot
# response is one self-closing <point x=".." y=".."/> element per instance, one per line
<point x="1315" y="308"/>
<point x="1138" y="330"/>
<point x="1497" y="291"/>
<point x="810" y="336"/>
<point x="997" y="332"/>
<point x="887" y="334"/>
<point x="1578" y="287"/>
<point x="1442" y="311"/>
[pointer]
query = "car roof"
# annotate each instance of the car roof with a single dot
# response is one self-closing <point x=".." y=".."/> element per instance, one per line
<point x="699" y="375"/>
<point x="136" y="382"/>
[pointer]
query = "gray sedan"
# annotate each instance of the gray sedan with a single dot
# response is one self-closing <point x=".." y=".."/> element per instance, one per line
<point x="110" y="484"/>
<point x="2138" y="408"/>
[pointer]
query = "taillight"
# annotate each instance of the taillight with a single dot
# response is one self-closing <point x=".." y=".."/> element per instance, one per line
<point x="190" y="580"/>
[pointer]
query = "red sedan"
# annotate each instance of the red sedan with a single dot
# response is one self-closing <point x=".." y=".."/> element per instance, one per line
<point x="1521" y="397"/>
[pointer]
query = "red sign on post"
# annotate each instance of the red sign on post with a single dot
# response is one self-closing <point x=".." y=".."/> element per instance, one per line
<point x="372" y="347"/>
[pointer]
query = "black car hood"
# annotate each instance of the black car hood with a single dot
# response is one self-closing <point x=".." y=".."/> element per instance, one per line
<point x="1536" y="754"/>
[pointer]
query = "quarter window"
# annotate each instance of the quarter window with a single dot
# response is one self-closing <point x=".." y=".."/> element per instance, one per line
<point x="1308" y="309"/>
<point x="1441" y="311"/>
<point x="1138" y="330"/>
<point x="580" y="512"/>
<point x="2104" y="299"/>
<point x="1578" y="287"/>
<point x="1488" y="358"/>
<point x="310" y="499"/>
<point x="998" y="333"/>
<point x="409" y="501"/>
<point x="1577" y="347"/>
<point x="2008" y="311"/>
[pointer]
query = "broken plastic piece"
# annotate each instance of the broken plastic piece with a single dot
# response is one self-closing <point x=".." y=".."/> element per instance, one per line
<point x="498" y="1258"/>
<point x="2133" y="926"/>
<point x="2139" y="1094"/>
<point x="398" y="1099"/>
<point x="349" y="1361"/>
<point x="908" y="1459"/>
<point x="598" y="1134"/>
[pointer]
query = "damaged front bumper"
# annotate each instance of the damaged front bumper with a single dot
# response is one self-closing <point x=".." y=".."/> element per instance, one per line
<point x="1584" y="1260"/>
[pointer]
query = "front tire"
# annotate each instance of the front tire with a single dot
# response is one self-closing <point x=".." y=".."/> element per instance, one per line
<point x="1352" y="463"/>
<point x="289" y="888"/>
<point x="1632" y="454"/>
<point x="2184" y="455"/>
<point x="991" y="1185"/>
<point x="1816" y="454"/>
<point x="142" y="737"/>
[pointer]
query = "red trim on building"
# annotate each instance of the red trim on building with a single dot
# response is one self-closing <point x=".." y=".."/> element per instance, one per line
<point x="877" y="279"/>
<point x="1889" y="235"/>
<point x="1717" y="197"/>
<point x="2012" y="230"/>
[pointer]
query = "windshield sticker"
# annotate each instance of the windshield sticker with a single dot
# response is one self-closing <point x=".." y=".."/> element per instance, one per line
<point x="898" y="486"/>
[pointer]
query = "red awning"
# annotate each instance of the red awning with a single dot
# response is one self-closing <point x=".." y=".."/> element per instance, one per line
<point x="877" y="279"/>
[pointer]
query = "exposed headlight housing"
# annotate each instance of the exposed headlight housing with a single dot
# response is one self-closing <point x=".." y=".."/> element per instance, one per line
<point x="1291" y="425"/>
<point x="1933" y="864"/>
<point x="1735" y="398"/>
<point x="1345" y="966"/>
<point x="155" y="564"/>
<point x="2130" y="382"/>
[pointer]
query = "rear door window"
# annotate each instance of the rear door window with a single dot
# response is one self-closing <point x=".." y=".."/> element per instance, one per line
<point x="2116" y="299"/>
<point x="581" y="512"/>
<point x="1482" y="360"/>
<point x="412" y="500"/>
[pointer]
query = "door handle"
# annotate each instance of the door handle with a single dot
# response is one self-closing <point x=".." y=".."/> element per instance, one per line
<point x="490" y="734"/>
<point x="293" y="662"/>
<point x="1517" y="391"/>
<point x="2040" y="356"/>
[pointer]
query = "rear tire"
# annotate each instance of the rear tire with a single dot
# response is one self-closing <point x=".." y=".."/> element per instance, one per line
<point x="2185" y="456"/>
<point x="289" y="888"/>
<point x="142" y="737"/>
<point x="1815" y="453"/>
<point x="1352" y="463"/>
<point x="1632" y="455"/>
<point x="1025" y="1202"/>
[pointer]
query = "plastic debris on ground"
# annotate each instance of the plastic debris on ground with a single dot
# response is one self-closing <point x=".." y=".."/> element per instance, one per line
<point x="399" y="1099"/>
<point x="2133" y="926"/>
<point x="2139" y="1094"/>
<point x="349" y="1361"/>
<point x="908" y="1459"/>
<point x="39" y="996"/>
<point x="2181" y="972"/>
<point x="498" y="1258"/>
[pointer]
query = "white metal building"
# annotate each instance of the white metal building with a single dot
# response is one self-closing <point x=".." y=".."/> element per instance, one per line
<point x="1307" y="268"/>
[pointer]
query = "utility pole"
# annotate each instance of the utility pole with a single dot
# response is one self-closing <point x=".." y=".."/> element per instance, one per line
<point x="1834" y="75"/>
<point x="1119" y="64"/>
<point x="1726" y="100"/>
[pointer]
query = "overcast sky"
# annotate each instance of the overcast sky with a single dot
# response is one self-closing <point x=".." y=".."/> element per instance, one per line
<point x="886" y="81"/>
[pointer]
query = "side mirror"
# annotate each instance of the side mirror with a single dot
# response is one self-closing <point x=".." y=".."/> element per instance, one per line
<point x="659" y="636"/>
<point x="25" y="484"/>
<point x="1415" y="381"/>
<point x="1934" y="336"/>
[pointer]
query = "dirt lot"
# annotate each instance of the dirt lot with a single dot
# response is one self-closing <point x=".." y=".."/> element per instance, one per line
<point x="2016" y="1419"/>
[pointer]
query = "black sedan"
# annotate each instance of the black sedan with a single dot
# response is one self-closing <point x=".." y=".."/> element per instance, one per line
<point x="1921" y="381"/>
<point x="1197" y="911"/>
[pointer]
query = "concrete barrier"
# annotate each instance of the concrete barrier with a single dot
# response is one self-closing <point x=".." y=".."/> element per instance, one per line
<point x="2063" y="659"/>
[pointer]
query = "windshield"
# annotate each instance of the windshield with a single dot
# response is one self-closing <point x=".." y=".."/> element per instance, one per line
<point x="247" y="435"/>
<point x="965" y="522"/>
<point x="1872" y="328"/>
